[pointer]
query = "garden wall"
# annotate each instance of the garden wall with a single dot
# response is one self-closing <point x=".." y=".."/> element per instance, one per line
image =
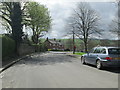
<point x="25" y="49"/>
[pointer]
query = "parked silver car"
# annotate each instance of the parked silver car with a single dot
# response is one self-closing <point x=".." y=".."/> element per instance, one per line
<point x="102" y="57"/>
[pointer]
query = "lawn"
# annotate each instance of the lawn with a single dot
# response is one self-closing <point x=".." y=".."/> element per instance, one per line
<point x="80" y="53"/>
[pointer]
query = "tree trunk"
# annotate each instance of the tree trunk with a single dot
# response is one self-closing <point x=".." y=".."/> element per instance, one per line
<point x="85" y="46"/>
<point x="16" y="25"/>
<point x="37" y="36"/>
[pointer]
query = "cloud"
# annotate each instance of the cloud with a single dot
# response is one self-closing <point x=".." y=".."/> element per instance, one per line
<point x="59" y="13"/>
<point x="107" y="11"/>
<point x="61" y="10"/>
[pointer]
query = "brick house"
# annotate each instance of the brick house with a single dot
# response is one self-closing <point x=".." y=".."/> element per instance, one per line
<point x="53" y="44"/>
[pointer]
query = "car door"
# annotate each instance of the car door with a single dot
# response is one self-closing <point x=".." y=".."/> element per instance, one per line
<point x="94" y="55"/>
<point x="90" y="56"/>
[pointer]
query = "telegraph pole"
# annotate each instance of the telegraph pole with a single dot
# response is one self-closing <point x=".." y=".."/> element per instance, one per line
<point x="73" y="41"/>
<point x="118" y="23"/>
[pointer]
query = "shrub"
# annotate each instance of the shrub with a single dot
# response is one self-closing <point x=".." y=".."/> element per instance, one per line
<point x="8" y="46"/>
<point x="40" y="47"/>
<point x="54" y="50"/>
<point x="49" y="49"/>
<point x="67" y="49"/>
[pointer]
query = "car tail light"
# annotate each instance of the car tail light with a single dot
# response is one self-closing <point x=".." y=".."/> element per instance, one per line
<point x="108" y="58"/>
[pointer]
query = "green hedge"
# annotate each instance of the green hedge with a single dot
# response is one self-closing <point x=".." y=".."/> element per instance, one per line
<point x="8" y="46"/>
<point x="54" y="50"/>
<point x="40" y="47"/>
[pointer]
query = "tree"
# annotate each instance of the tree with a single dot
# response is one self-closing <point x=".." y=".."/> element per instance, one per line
<point x="11" y="14"/>
<point x="68" y="44"/>
<point x="114" y="27"/>
<point x="93" y="43"/>
<point x="38" y="19"/>
<point x="85" y="22"/>
<point x="71" y="28"/>
<point x="115" y="24"/>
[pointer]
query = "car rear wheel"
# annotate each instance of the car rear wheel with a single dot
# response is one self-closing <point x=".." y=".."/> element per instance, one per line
<point x="83" y="60"/>
<point x="99" y="64"/>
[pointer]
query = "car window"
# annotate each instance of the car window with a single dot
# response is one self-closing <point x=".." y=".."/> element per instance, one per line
<point x="114" y="51"/>
<point x="103" y="51"/>
<point x="97" y="50"/>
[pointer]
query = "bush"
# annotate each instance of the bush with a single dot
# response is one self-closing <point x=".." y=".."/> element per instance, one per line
<point x="54" y="50"/>
<point x="8" y="46"/>
<point x="49" y="49"/>
<point x="40" y="47"/>
<point x="67" y="49"/>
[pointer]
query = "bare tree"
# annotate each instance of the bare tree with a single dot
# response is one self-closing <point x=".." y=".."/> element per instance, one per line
<point x="115" y="25"/>
<point x="85" y="22"/>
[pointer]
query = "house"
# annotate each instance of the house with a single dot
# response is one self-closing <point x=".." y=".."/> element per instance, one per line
<point x="54" y="44"/>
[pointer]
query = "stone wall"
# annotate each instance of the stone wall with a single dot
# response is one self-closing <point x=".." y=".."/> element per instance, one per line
<point x="25" y="49"/>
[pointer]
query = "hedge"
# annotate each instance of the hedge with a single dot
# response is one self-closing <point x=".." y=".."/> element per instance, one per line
<point x="40" y="47"/>
<point x="8" y="46"/>
<point x="54" y="50"/>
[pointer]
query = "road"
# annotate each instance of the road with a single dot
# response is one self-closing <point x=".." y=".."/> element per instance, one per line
<point x="56" y="70"/>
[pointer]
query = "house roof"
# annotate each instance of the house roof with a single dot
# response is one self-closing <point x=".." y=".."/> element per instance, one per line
<point x="54" y="42"/>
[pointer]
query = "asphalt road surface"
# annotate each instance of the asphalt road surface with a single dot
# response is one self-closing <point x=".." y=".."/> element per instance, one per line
<point x="56" y="70"/>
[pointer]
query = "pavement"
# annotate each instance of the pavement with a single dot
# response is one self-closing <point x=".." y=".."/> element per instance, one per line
<point x="56" y="70"/>
<point x="11" y="62"/>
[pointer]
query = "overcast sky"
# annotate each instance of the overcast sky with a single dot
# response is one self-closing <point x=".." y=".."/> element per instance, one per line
<point x="60" y="10"/>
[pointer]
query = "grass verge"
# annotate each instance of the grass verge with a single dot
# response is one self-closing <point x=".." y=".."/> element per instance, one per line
<point x="80" y="53"/>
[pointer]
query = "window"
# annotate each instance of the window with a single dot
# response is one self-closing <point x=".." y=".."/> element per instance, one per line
<point x="103" y="51"/>
<point x="97" y="50"/>
<point x="114" y="51"/>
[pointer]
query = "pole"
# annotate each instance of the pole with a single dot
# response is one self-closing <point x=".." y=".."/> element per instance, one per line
<point x="118" y="23"/>
<point x="73" y="42"/>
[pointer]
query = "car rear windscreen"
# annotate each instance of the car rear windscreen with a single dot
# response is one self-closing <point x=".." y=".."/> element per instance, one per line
<point x="114" y="51"/>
